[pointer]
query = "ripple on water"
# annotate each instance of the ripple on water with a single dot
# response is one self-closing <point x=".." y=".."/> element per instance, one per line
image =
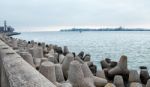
<point x="136" y="45"/>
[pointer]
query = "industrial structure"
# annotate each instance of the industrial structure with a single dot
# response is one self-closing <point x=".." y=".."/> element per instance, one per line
<point x="5" y="28"/>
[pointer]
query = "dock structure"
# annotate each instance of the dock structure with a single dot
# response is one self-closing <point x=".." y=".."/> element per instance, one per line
<point x="16" y="72"/>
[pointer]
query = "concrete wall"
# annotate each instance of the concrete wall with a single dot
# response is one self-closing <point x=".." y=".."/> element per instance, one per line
<point x="16" y="72"/>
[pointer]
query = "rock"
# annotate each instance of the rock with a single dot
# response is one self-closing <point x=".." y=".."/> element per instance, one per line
<point x="135" y="84"/>
<point x="134" y="76"/>
<point x="101" y="74"/>
<point x="59" y="73"/>
<point x="144" y="75"/>
<point x="66" y="63"/>
<point x="110" y="85"/>
<point x="75" y="74"/>
<point x="118" y="81"/>
<point x="99" y="82"/>
<point x="48" y="70"/>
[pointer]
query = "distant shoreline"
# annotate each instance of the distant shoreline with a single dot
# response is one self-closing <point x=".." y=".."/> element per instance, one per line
<point x="104" y="29"/>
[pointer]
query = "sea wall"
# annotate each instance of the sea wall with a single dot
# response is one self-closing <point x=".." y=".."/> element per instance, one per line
<point x="16" y="72"/>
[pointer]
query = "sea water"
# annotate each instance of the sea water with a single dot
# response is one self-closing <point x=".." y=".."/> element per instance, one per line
<point x="102" y="44"/>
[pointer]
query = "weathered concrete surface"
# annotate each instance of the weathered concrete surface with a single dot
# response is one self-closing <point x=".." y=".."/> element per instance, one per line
<point x="17" y="72"/>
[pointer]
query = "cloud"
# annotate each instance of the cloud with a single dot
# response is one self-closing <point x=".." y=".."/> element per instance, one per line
<point x="50" y="13"/>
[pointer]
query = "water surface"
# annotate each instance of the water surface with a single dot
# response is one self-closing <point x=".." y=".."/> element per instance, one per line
<point x="102" y="44"/>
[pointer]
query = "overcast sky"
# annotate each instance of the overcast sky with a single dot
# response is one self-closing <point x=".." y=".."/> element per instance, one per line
<point x="34" y="15"/>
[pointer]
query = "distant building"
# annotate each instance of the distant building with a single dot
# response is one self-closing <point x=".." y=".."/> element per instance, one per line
<point x="6" y="28"/>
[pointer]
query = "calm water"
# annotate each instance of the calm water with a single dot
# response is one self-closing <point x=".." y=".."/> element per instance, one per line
<point x="111" y="44"/>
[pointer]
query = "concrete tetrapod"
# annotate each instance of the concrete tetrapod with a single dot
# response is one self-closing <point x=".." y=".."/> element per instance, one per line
<point x="79" y="59"/>
<point x="66" y="63"/>
<point x="38" y="52"/>
<point x="81" y="54"/>
<point x="134" y="76"/>
<point x="66" y="85"/>
<point x="48" y="70"/>
<point x="51" y="57"/>
<point x="110" y="85"/>
<point x="101" y="74"/>
<point x="87" y="57"/>
<point x="118" y="81"/>
<point x="88" y="74"/>
<point x="120" y="69"/>
<point x="99" y="82"/>
<point x="88" y="82"/>
<point x="148" y="83"/>
<point x="14" y="43"/>
<point x="86" y="71"/>
<point x="61" y="58"/>
<point x="66" y="50"/>
<point x="104" y="64"/>
<point x="27" y="57"/>
<point x="144" y="75"/>
<point x="75" y="74"/>
<point x="55" y="58"/>
<point x="44" y="59"/>
<point x="59" y="73"/>
<point x="37" y="62"/>
<point x="135" y="84"/>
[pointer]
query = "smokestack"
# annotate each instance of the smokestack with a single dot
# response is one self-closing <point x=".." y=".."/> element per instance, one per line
<point x="5" y="26"/>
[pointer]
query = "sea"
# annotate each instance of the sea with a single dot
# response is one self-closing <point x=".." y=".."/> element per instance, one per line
<point x="101" y="44"/>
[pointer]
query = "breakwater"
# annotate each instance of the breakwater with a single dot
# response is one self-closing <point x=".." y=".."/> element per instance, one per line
<point x="62" y="67"/>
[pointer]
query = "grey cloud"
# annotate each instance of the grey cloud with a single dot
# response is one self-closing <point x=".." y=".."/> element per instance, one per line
<point x="30" y="13"/>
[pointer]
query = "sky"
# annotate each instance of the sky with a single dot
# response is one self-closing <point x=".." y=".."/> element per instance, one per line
<point x="53" y="15"/>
